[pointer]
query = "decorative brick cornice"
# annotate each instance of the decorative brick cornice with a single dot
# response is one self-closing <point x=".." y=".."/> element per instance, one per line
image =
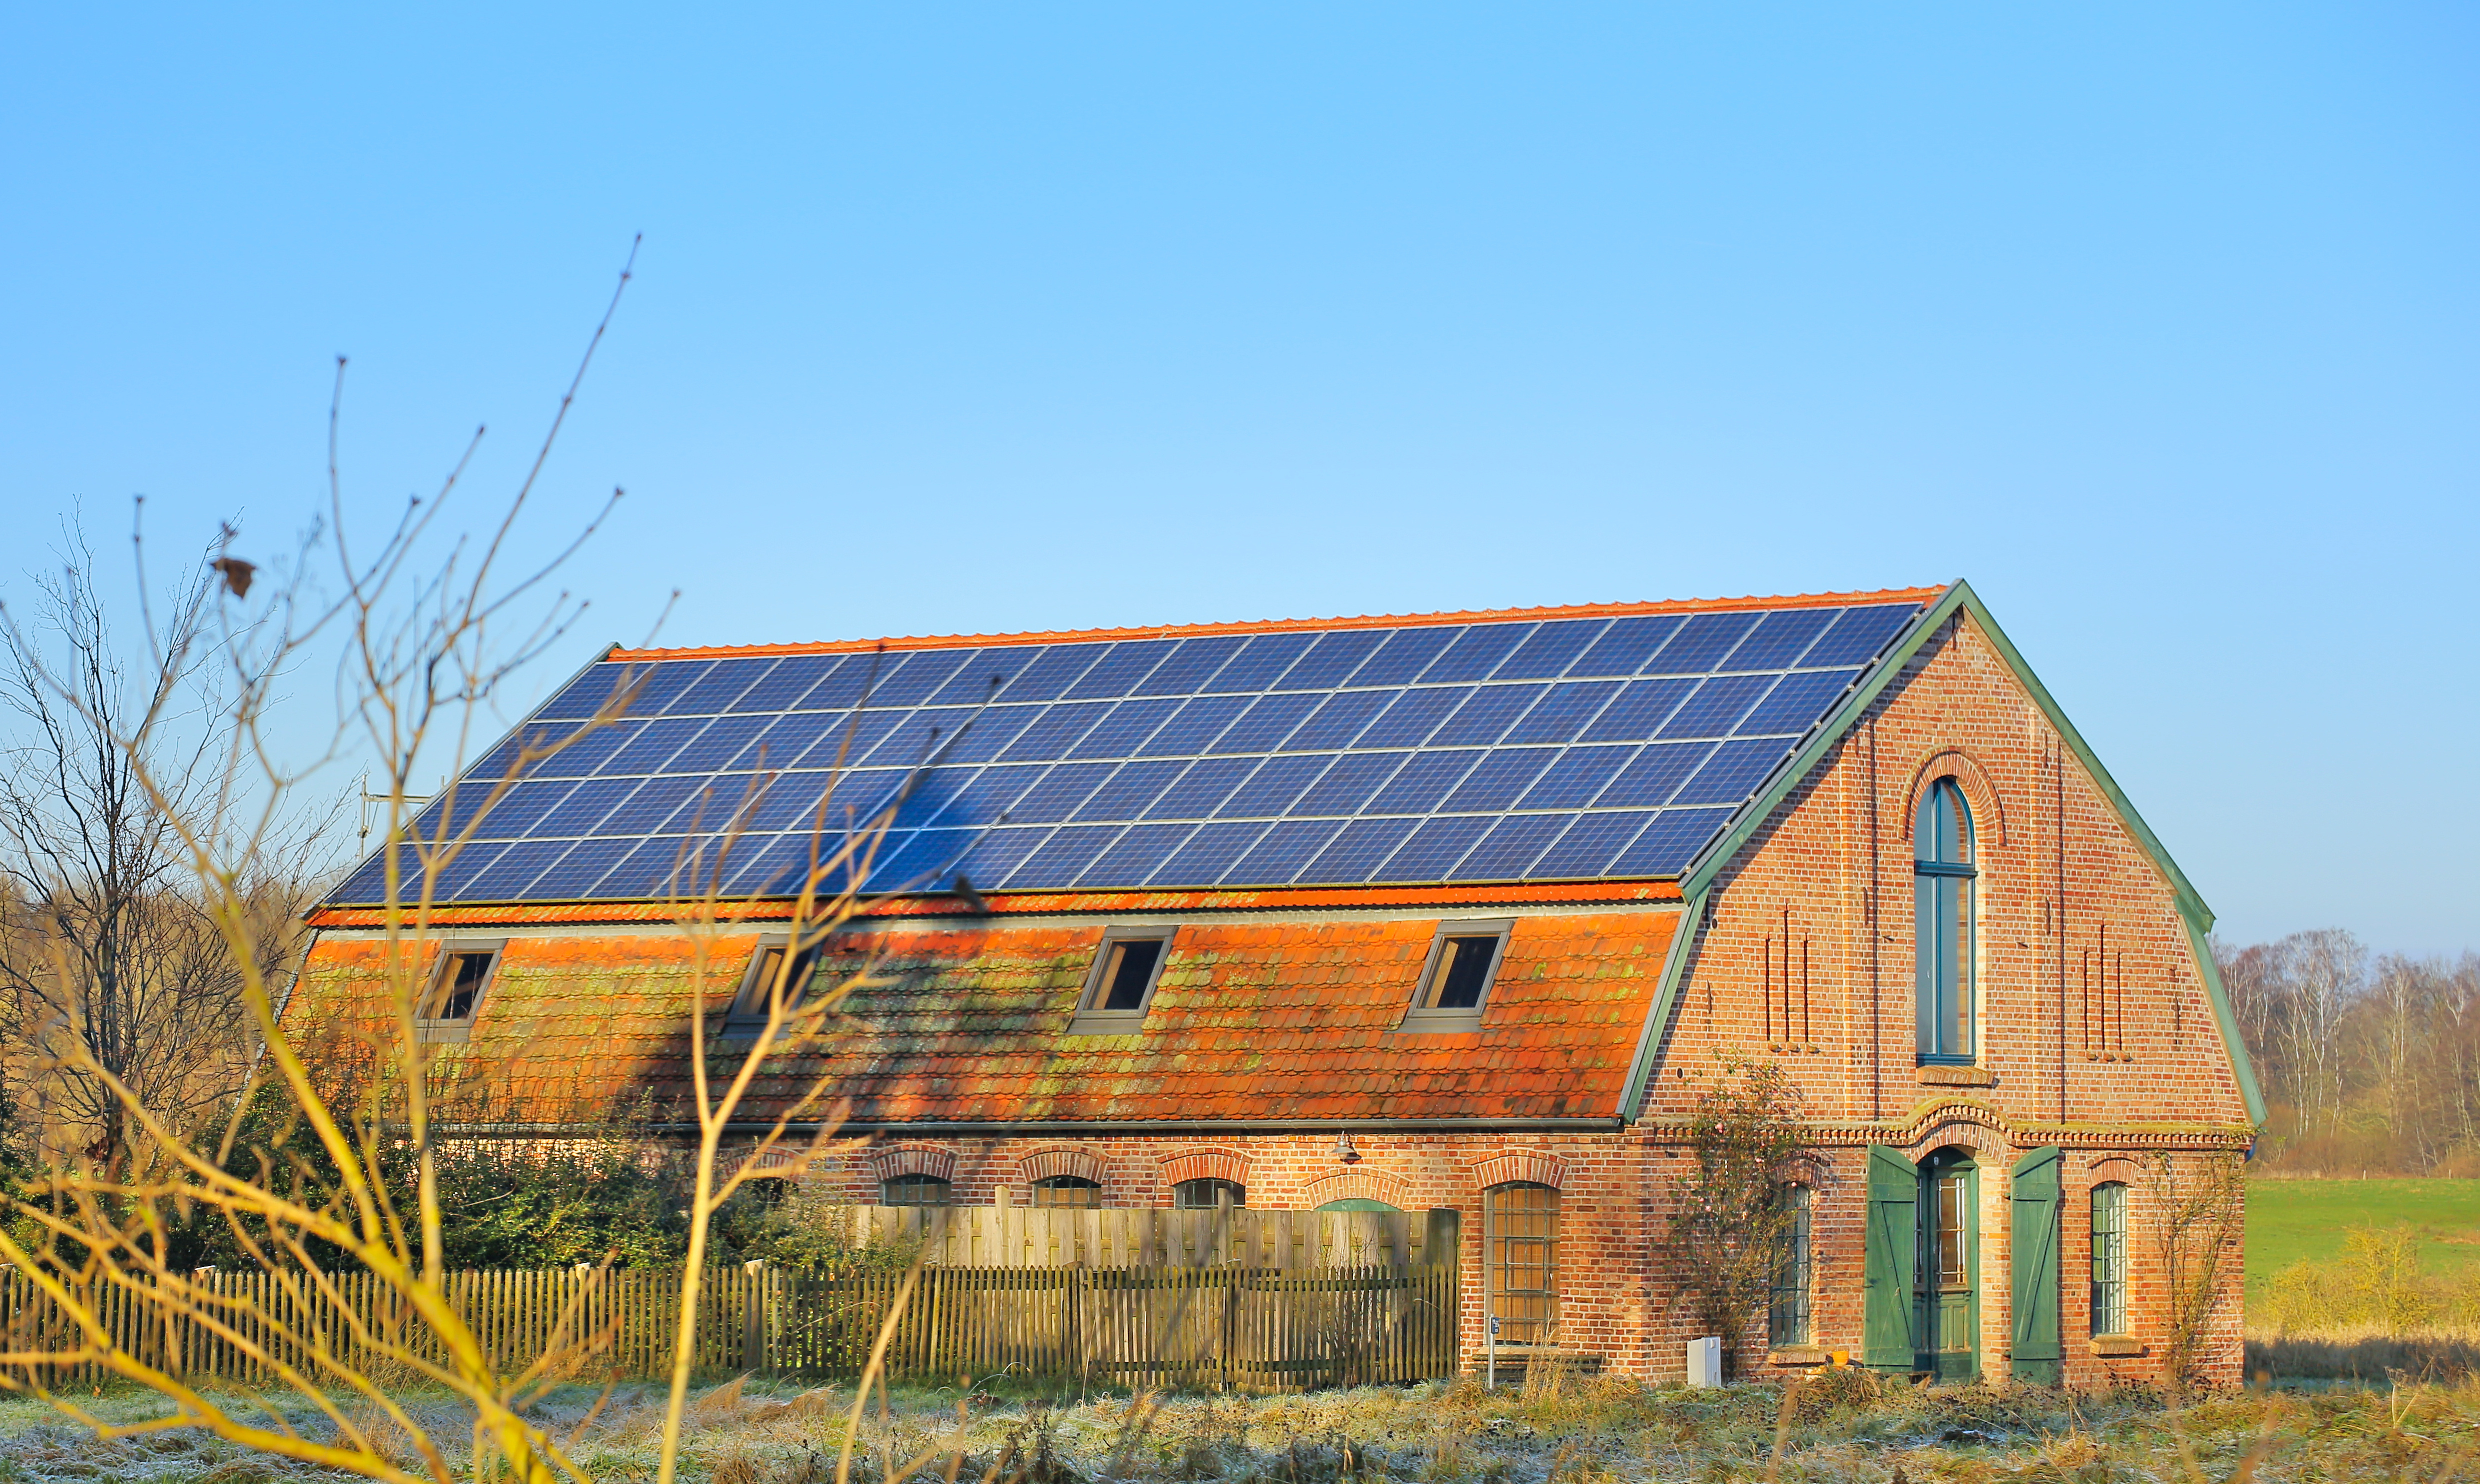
<point x="1951" y="1113"/>
<point x="914" y="1159"/>
<point x="1049" y="1163"/>
<point x="1357" y="1185"/>
<point x="1205" y="1164"/>
<point x="1521" y="1166"/>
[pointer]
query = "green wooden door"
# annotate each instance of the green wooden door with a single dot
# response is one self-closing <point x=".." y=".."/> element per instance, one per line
<point x="1889" y="1339"/>
<point x="1947" y="1285"/>
<point x="2032" y="1266"/>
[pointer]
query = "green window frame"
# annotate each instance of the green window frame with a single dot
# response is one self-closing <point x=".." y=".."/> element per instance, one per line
<point x="1944" y="880"/>
<point x="2109" y="1259"/>
<point x="1787" y="1318"/>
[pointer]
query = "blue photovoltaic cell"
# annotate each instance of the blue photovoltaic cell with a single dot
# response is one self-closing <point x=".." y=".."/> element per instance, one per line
<point x="1190" y="667"/>
<point x="1264" y="725"/>
<point x="1793" y="706"/>
<point x="1136" y="854"/>
<point x="1209" y="854"/>
<point x="1562" y="715"/>
<point x="1124" y="730"/>
<point x="1260" y="664"/>
<point x="1336" y="722"/>
<point x="1120" y="671"/>
<point x="1194" y="726"/>
<point x="1421" y="753"/>
<point x="1507" y="851"/>
<point x="1271" y="789"/>
<point x="1732" y="774"/>
<point x="1202" y="789"/>
<point x="1356" y="853"/>
<point x="1702" y="643"/>
<point x="1655" y="775"/>
<point x="1414" y="715"/>
<point x="1130" y="789"/>
<point x="1577" y="778"/>
<point x="1552" y="648"/>
<point x="719" y="687"/>
<point x="1405" y="655"/>
<point x="1424" y="779"/>
<point x="1718" y="706"/>
<point x="1588" y="844"/>
<point x="1331" y="660"/>
<point x="1349" y="784"/>
<point x="1434" y="848"/>
<point x="1477" y="653"/>
<point x="781" y="688"/>
<point x="1279" y="856"/>
<point x="1498" y="780"/>
<point x="1780" y="640"/>
<point x="1859" y="634"/>
<point x="1639" y="711"/>
<point x="1486" y="718"/>
<point x="1624" y="648"/>
<point x="1063" y="857"/>
<point x="1668" y="842"/>
<point x="1061" y="790"/>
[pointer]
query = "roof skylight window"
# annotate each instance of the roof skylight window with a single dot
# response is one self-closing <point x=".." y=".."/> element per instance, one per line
<point x="1455" y="981"/>
<point x="1120" y="984"/>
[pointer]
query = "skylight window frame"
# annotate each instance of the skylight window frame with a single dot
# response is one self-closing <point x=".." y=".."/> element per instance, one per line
<point x="746" y="1020"/>
<point x="456" y="1030"/>
<point x="1092" y="1020"/>
<point x="1422" y="1017"/>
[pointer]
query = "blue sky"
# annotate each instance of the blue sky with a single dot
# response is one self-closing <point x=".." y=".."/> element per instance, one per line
<point x="2158" y="324"/>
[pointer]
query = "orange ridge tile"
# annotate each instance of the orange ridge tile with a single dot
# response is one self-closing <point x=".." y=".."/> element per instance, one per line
<point x="1291" y="625"/>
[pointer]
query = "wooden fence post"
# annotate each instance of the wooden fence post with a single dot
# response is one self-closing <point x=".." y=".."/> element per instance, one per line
<point x="753" y="1315"/>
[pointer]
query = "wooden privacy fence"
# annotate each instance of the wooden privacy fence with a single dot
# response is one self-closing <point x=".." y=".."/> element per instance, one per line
<point x="1257" y="1316"/>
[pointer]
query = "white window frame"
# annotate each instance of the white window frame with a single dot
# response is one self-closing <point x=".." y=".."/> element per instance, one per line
<point x="445" y="1031"/>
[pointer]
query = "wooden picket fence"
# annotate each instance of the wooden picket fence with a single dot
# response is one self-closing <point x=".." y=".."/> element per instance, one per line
<point x="1260" y="1318"/>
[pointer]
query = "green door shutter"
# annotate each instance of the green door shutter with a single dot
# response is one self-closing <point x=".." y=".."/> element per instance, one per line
<point x="2034" y="1260"/>
<point x="1888" y="1338"/>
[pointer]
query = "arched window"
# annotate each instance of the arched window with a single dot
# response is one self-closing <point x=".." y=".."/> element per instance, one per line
<point x="1942" y="871"/>
<point x="917" y="1190"/>
<point x="1787" y="1317"/>
<point x="1522" y="1237"/>
<point x="2110" y="1260"/>
<point x="1207" y="1194"/>
<point x="1073" y="1193"/>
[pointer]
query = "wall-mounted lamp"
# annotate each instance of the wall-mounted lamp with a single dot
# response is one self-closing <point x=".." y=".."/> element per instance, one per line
<point x="1344" y="1153"/>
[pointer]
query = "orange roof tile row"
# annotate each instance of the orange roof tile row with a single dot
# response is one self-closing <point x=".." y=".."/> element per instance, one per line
<point x="1284" y="625"/>
<point x="1038" y="905"/>
<point x="1251" y="1022"/>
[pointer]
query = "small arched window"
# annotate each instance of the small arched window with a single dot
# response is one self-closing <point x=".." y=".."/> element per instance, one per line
<point x="1943" y="875"/>
<point x="1207" y="1194"/>
<point x="917" y="1190"/>
<point x="1522" y="1238"/>
<point x="1073" y="1193"/>
<point x="2110" y="1260"/>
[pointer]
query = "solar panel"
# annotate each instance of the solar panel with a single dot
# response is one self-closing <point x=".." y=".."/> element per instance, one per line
<point x="1575" y="748"/>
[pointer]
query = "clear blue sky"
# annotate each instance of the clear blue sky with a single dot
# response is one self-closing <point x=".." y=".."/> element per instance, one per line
<point x="2157" y="323"/>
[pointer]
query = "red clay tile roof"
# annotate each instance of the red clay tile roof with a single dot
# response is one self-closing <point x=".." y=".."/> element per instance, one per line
<point x="1252" y="1023"/>
<point x="1290" y="625"/>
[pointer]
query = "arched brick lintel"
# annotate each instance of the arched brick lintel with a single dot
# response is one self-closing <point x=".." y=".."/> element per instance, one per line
<point x="1205" y="1164"/>
<point x="1049" y="1163"/>
<point x="914" y="1159"/>
<point x="1522" y="1166"/>
<point x="1357" y="1185"/>
<point x="1988" y="806"/>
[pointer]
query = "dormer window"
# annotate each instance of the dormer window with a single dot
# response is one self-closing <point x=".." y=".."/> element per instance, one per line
<point x="1120" y="986"/>
<point x="1944" y="873"/>
<point x="456" y="992"/>
<point x="775" y="971"/>
<point x="1457" y="977"/>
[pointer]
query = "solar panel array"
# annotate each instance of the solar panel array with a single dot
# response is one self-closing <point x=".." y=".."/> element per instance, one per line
<point x="1567" y="749"/>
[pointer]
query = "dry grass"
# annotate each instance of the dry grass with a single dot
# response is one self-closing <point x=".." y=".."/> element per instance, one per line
<point x="1846" y="1426"/>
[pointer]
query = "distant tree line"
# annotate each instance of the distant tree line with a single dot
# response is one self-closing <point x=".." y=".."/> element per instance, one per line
<point x="2369" y="1063"/>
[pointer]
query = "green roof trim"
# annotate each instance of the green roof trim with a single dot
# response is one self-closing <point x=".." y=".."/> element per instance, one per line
<point x="1697" y="881"/>
<point x="1691" y="921"/>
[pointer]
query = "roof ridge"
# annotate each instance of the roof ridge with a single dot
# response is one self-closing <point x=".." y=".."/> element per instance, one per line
<point x="1289" y="625"/>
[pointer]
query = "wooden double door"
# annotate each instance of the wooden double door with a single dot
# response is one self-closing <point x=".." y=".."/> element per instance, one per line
<point x="1921" y="1307"/>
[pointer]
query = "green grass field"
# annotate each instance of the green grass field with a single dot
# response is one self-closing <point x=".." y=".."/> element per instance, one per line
<point x="2292" y="1219"/>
